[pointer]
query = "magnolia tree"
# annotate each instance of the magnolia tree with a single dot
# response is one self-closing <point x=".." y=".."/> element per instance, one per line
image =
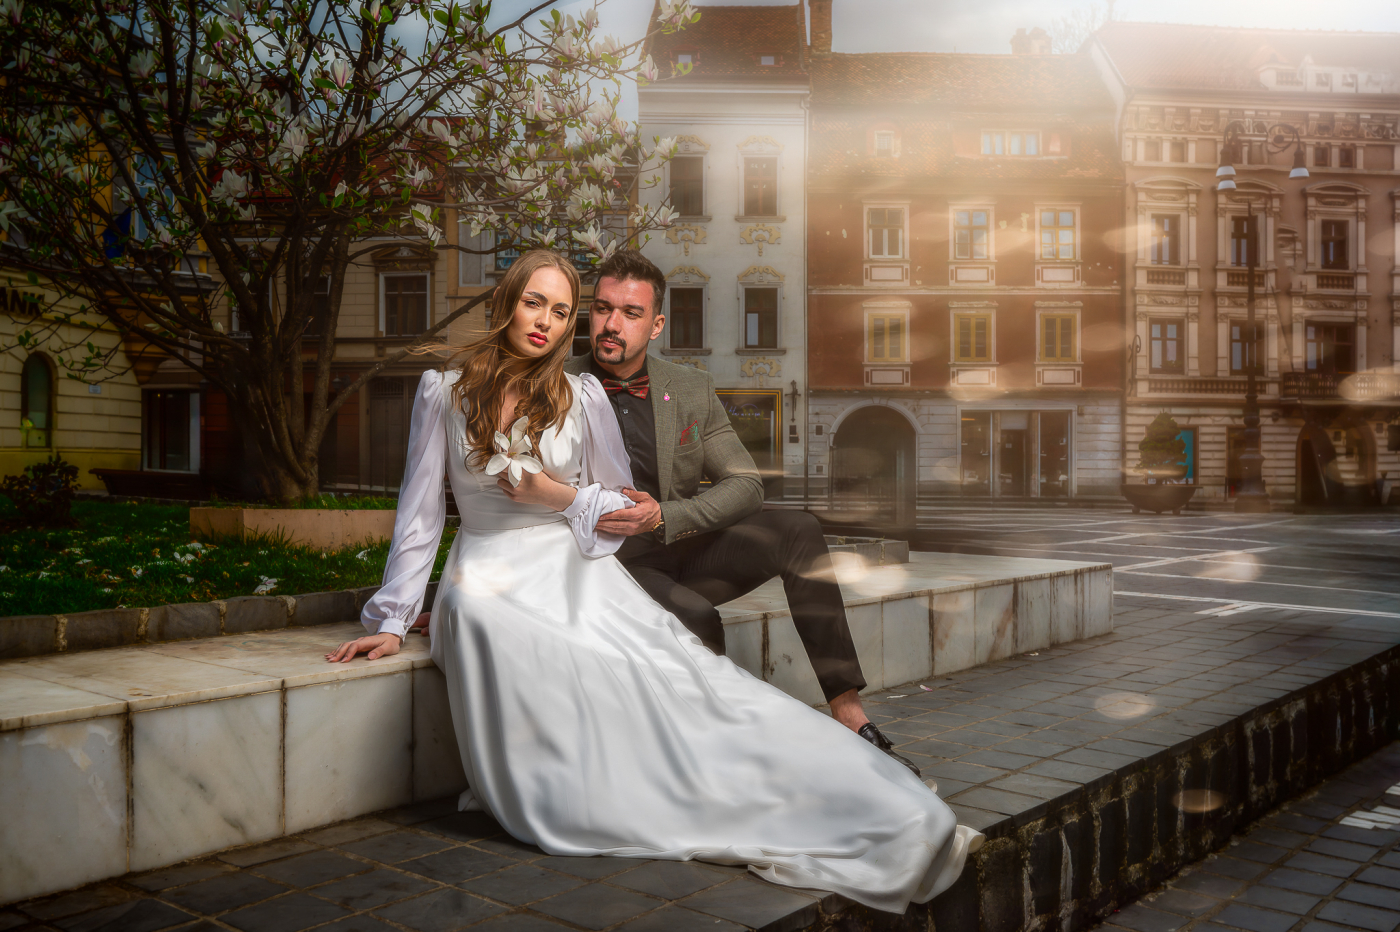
<point x="166" y="162"/>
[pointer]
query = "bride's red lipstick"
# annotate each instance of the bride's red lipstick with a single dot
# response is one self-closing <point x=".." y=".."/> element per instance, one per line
<point x="539" y="339"/>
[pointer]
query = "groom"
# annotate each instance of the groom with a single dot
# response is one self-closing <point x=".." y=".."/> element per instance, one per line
<point x="691" y="551"/>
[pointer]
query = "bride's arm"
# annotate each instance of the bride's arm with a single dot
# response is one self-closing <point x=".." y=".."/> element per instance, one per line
<point x="422" y="512"/>
<point x="605" y="472"/>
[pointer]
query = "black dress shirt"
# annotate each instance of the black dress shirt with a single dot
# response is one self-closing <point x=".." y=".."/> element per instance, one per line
<point x="638" y="422"/>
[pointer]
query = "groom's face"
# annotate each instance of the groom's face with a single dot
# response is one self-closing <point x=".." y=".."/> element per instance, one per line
<point x="623" y="319"/>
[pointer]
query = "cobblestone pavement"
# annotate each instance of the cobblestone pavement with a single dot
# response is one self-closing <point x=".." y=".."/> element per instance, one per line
<point x="1328" y="862"/>
<point x="1211" y="622"/>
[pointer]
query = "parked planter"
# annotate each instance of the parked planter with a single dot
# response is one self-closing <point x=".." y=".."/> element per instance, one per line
<point x="321" y="528"/>
<point x="1166" y="496"/>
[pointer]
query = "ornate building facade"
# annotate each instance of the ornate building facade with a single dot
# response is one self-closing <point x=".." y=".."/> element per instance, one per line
<point x="964" y="287"/>
<point x="1327" y="287"/>
<point x="734" y="97"/>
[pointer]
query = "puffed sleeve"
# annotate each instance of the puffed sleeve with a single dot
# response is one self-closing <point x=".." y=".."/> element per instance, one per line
<point x="421" y="515"/>
<point x="605" y="471"/>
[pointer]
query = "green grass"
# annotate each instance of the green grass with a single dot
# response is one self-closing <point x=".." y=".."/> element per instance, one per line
<point x="138" y="555"/>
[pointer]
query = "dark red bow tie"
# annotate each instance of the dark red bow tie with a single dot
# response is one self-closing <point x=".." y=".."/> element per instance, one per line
<point x="639" y="386"/>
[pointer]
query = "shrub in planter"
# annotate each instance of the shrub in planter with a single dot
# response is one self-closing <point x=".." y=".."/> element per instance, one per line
<point x="1161" y="451"/>
<point x="43" y="493"/>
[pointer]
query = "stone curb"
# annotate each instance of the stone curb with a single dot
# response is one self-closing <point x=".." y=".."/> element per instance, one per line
<point x="37" y="635"/>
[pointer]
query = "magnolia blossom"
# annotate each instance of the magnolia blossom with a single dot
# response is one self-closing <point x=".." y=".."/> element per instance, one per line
<point x="143" y="64"/>
<point x="514" y="457"/>
<point x="340" y="73"/>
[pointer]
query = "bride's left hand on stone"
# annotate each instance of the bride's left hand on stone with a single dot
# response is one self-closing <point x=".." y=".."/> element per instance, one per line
<point x="377" y="645"/>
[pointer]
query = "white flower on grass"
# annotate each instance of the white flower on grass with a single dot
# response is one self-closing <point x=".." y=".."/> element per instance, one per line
<point x="4" y="569"/>
<point x="362" y="555"/>
<point x="43" y="573"/>
<point x="136" y="572"/>
<point x="514" y="457"/>
<point x="195" y="545"/>
<point x="267" y="585"/>
<point x="188" y="579"/>
<point x="83" y="562"/>
<point x="106" y="590"/>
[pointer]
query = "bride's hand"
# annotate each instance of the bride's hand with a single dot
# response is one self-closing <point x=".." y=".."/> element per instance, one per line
<point x="539" y="489"/>
<point x="378" y="645"/>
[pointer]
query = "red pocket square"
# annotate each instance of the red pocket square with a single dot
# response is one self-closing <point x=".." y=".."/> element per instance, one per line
<point x="688" y="435"/>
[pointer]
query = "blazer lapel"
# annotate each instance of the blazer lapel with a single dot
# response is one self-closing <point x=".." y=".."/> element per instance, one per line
<point x="665" y="416"/>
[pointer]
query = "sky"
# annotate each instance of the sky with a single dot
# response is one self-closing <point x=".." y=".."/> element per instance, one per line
<point x="987" y="25"/>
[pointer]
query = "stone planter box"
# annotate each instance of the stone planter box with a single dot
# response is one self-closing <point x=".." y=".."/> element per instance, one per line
<point x="1158" y="498"/>
<point x="874" y="551"/>
<point x="321" y="528"/>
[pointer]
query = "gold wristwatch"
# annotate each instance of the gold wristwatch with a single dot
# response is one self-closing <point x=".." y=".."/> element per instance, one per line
<point x="659" y="529"/>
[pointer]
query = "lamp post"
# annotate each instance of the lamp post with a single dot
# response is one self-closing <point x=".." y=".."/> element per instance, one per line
<point x="1252" y="497"/>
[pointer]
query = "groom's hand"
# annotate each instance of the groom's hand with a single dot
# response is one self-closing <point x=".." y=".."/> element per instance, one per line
<point x="639" y="519"/>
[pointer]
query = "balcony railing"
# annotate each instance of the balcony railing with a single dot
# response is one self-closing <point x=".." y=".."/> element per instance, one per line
<point x="1198" y="386"/>
<point x="1165" y="277"/>
<point x="1241" y="279"/>
<point x="1358" y="386"/>
<point x="1337" y="281"/>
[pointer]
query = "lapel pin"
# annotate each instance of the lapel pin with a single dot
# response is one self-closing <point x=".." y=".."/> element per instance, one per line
<point x="665" y="397"/>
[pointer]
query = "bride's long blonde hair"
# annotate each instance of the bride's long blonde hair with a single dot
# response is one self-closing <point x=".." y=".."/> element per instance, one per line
<point x="491" y="366"/>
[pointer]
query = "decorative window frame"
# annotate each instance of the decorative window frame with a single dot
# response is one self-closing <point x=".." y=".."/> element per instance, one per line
<point x="382" y="276"/>
<point x="696" y="147"/>
<point x="464" y="238"/>
<point x="1059" y="373"/>
<point x="688" y="276"/>
<point x="1006" y="133"/>
<point x="1059" y="273"/>
<point x="1186" y="326"/>
<point x="883" y="271"/>
<point x="973" y="272"/>
<point x="970" y="372"/>
<point x="196" y="436"/>
<point x="1337" y="200"/>
<point x="886" y="373"/>
<point x="755" y="147"/>
<point x="760" y="276"/>
<point x="1268" y="318"/>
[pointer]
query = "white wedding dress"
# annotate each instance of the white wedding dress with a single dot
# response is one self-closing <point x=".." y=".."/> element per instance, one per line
<point x="591" y="722"/>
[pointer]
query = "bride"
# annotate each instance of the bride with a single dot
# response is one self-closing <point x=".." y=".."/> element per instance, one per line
<point x="590" y="721"/>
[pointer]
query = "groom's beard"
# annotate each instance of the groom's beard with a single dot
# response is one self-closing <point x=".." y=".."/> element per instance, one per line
<point x="615" y="356"/>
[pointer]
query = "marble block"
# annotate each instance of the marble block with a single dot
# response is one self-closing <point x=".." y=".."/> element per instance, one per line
<point x="1098" y="603"/>
<point x="65" y="821"/>
<point x="437" y="761"/>
<point x="995" y="612"/>
<point x="867" y="630"/>
<point x="205" y="776"/>
<point x="907" y="644"/>
<point x="147" y="678"/>
<point x="954" y="630"/>
<point x="1066" y="608"/>
<point x="26" y="702"/>
<point x="743" y="644"/>
<point x="348" y="749"/>
<point x="1033" y="614"/>
<point x="788" y="666"/>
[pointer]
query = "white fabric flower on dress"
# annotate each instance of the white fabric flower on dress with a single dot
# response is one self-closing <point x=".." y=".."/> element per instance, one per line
<point x="514" y="456"/>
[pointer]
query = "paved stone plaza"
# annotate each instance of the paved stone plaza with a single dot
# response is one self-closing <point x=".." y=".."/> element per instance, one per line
<point x="1216" y="618"/>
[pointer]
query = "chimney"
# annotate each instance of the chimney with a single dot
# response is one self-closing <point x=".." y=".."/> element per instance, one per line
<point x="1035" y="42"/>
<point x="821" y="26"/>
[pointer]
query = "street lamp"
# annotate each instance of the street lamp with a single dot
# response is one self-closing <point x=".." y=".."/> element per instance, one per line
<point x="1252" y="497"/>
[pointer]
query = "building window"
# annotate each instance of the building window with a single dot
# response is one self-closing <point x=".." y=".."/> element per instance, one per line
<point x="1322" y="80"/>
<point x="1165" y="247"/>
<point x="685" y="58"/>
<point x="1057" y="338"/>
<point x="972" y="337"/>
<point x="1165" y="346"/>
<point x="1057" y="239"/>
<point x="469" y="264"/>
<point x="760" y="318"/>
<point x="405" y="305"/>
<point x="36" y="402"/>
<point x="970" y="234"/>
<point x="1335" y="254"/>
<point x="687" y="318"/>
<point x="1152" y="150"/>
<point x="168" y="434"/>
<point x="688" y="185"/>
<point x="886" y="232"/>
<point x="1346" y="157"/>
<point x="1322" y="156"/>
<point x="761" y="187"/>
<point x="885" y="338"/>
<point x="1242" y="241"/>
<point x="884" y="144"/>
<point x="1245" y="340"/>
<point x="1330" y="348"/>
<point x="1003" y="143"/>
<point x="768" y="61"/>
<point x="320" y="309"/>
<point x="1176" y="151"/>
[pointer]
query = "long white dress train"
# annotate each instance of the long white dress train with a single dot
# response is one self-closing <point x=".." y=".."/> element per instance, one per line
<point x="591" y="722"/>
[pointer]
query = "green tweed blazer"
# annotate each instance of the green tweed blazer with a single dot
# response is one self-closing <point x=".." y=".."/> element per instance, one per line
<point x="694" y="441"/>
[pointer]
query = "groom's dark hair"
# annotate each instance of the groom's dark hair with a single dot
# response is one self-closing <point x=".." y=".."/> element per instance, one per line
<point x="628" y="264"/>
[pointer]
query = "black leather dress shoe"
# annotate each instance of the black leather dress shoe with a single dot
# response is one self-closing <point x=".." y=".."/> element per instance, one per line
<point x="870" y="733"/>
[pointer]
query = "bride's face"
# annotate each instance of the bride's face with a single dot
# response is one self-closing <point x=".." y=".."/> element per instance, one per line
<point x="542" y="315"/>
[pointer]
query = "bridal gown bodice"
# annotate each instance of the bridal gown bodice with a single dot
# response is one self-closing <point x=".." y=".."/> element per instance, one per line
<point x="591" y="722"/>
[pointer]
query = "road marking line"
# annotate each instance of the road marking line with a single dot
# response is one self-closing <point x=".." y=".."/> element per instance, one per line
<point x="1285" y="606"/>
<point x="1251" y="582"/>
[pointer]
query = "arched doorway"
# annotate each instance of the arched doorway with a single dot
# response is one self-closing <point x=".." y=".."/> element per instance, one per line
<point x="873" y="472"/>
<point x="1336" y="463"/>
